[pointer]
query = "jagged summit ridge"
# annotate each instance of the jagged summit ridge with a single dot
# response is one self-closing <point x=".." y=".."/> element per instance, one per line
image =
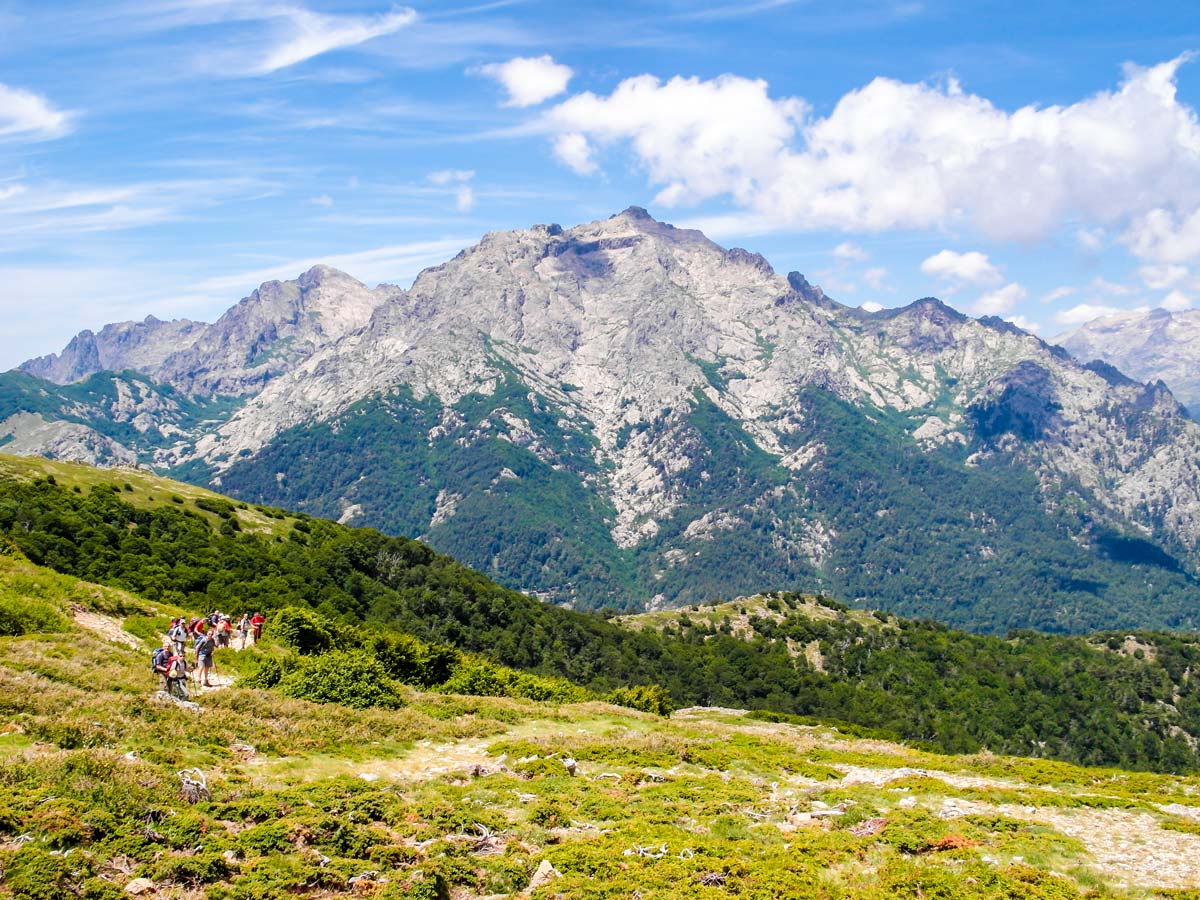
<point x="1147" y="344"/>
<point x="260" y="337"/>
<point x="141" y="346"/>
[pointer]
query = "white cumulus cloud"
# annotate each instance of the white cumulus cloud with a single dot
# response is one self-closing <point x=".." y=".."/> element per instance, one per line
<point x="459" y="180"/>
<point x="900" y="155"/>
<point x="1024" y="324"/>
<point x="850" y="251"/>
<point x="574" y="150"/>
<point x="871" y="306"/>
<point x="698" y="139"/>
<point x="1160" y="278"/>
<point x="1176" y="301"/>
<point x="529" y="80"/>
<point x="26" y="116"/>
<point x="875" y="277"/>
<point x="1163" y="236"/>
<point x="972" y="267"/>
<point x="1085" y="312"/>
<point x="1001" y="301"/>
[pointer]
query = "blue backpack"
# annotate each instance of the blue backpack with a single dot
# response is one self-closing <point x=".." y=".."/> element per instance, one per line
<point x="159" y="658"/>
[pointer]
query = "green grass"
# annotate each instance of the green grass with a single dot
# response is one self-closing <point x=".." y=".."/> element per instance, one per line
<point x="466" y="795"/>
<point x="145" y="490"/>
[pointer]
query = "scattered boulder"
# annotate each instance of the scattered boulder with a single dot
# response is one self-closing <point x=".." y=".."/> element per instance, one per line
<point x="139" y="886"/>
<point x="544" y="874"/>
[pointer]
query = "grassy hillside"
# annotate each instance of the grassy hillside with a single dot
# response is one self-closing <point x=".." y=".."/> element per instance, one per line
<point x="1104" y="700"/>
<point x="471" y="797"/>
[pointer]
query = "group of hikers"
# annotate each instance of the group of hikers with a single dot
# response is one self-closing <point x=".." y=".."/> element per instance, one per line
<point x="206" y="635"/>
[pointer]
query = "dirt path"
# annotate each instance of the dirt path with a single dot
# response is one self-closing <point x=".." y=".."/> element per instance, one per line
<point x="106" y="626"/>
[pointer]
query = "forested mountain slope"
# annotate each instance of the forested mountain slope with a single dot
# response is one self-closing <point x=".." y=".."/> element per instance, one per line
<point x="1103" y="700"/>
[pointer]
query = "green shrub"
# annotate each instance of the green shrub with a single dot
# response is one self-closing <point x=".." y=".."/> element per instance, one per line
<point x="480" y="679"/>
<point x="19" y="615"/>
<point x="222" y="508"/>
<point x="269" y="673"/>
<point x="191" y="871"/>
<point x="651" y="698"/>
<point x="411" y="660"/>
<point x="302" y="630"/>
<point x="549" y="814"/>
<point x="269" y="837"/>
<point x="539" y="687"/>
<point x="9" y="548"/>
<point x="35" y="874"/>
<point x="416" y="886"/>
<point x="352" y="678"/>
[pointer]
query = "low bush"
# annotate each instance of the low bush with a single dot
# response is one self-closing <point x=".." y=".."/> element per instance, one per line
<point x="651" y="698"/>
<point x="481" y="678"/>
<point x="411" y="660"/>
<point x="19" y="615"/>
<point x="301" y="630"/>
<point x="350" y="677"/>
<point x="191" y="871"/>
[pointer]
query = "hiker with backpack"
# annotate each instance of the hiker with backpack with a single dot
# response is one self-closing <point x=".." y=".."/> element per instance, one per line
<point x="256" y="626"/>
<point x="243" y="630"/>
<point x="178" y="634"/>
<point x="206" y="646"/>
<point x="172" y="666"/>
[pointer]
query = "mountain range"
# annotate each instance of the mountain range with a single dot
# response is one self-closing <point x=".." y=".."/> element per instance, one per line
<point x="625" y="414"/>
<point x="1148" y="344"/>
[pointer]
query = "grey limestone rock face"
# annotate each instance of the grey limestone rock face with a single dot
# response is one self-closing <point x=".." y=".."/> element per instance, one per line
<point x="141" y="346"/>
<point x="263" y="336"/>
<point x="1150" y="345"/>
<point x="624" y="321"/>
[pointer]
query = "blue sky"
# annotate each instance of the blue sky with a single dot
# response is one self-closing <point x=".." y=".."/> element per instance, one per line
<point x="1037" y="161"/>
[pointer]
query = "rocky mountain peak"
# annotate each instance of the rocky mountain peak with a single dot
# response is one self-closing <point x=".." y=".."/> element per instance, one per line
<point x="1147" y="344"/>
<point x="274" y="328"/>
<point x="141" y="346"/>
<point x="321" y="275"/>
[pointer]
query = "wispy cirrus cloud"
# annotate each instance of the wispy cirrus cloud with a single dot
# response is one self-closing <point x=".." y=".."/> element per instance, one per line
<point x="303" y="34"/>
<point x="60" y="210"/>
<point x="273" y="35"/>
<point x="395" y="263"/>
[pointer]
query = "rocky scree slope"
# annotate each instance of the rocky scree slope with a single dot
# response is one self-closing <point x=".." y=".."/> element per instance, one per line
<point x="624" y="413"/>
<point x="1153" y="345"/>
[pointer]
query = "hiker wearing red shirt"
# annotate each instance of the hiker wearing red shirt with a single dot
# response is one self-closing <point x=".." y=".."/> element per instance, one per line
<point x="256" y="624"/>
